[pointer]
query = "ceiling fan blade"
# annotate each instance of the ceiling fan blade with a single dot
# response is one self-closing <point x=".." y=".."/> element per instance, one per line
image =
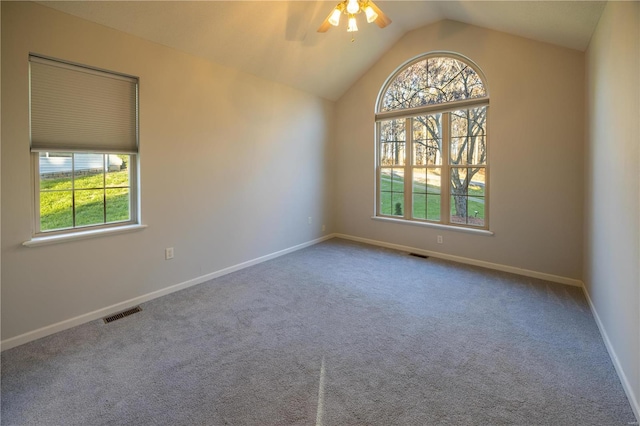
<point x="382" y="20"/>
<point x="325" y="24"/>
<point x="324" y="27"/>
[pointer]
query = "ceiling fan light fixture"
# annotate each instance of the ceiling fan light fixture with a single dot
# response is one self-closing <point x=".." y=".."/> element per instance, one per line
<point x="371" y="14"/>
<point x="353" y="25"/>
<point x="353" y="7"/>
<point x="334" y="19"/>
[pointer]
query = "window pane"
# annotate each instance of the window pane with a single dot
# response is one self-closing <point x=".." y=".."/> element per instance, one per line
<point x="55" y="171"/>
<point x="467" y="195"/>
<point x="55" y="184"/>
<point x="392" y="191"/>
<point x="459" y="182"/>
<point x="453" y="79"/>
<point x="88" y="171"/>
<point x="419" y="181"/>
<point x="117" y="204"/>
<point x="397" y="180"/>
<point x="392" y="180"/>
<point x="426" y="190"/>
<point x="476" y="211"/>
<point x="426" y="206"/>
<point x="477" y="181"/>
<point x="117" y="173"/>
<point x="420" y="206"/>
<point x="89" y="207"/>
<point x="385" y="180"/>
<point x="458" y="189"/>
<point x="385" y="203"/>
<point x="468" y="136"/>
<point x="433" y="207"/>
<point x="468" y="181"/>
<point x="427" y="140"/>
<point x="458" y="150"/>
<point x="392" y="142"/>
<point x="434" y="180"/>
<point x="397" y="202"/>
<point x="56" y="210"/>
<point x="407" y="90"/>
<point x="458" y="209"/>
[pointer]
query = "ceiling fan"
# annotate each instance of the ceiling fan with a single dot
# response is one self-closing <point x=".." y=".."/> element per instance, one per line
<point x="351" y="8"/>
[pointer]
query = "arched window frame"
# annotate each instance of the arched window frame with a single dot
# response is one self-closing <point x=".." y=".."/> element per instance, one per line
<point x="446" y="217"/>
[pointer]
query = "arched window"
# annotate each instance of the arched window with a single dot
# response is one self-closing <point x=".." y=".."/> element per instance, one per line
<point x="431" y="120"/>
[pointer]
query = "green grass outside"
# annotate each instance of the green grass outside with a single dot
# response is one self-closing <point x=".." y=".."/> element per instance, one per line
<point x="56" y="204"/>
<point x="426" y="204"/>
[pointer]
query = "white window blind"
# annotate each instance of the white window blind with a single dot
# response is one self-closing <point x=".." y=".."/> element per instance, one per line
<point x="74" y="108"/>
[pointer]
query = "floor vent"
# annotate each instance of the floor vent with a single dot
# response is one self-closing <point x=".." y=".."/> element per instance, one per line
<point x="122" y="314"/>
<point x="421" y="256"/>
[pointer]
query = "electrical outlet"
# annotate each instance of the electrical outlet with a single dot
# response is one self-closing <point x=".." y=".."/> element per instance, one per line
<point x="310" y="220"/>
<point x="324" y="228"/>
<point x="439" y="239"/>
<point x="168" y="253"/>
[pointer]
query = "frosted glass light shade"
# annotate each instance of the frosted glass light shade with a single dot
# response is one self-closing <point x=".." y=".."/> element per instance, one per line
<point x="334" y="19"/>
<point x="353" y="26"/>
<point x="371" y="14"/>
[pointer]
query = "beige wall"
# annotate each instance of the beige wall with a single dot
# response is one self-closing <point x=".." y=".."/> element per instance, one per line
<point x="536" y="143"/>
<point x="612" y="220"/>
<point x="231" y="167"/>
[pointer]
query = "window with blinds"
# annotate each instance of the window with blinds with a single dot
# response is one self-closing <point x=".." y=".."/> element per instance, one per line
<point x="84" y="144"/>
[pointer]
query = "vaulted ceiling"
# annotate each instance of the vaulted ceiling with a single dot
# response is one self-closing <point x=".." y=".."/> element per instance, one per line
<point x="278" y="40"/>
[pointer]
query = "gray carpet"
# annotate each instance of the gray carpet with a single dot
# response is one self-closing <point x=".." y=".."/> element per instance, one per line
<point x="336" y="334"/>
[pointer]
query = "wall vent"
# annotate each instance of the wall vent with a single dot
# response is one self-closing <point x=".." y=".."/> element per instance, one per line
<point x="421" y="256"/>
<point x="122" y="314"/>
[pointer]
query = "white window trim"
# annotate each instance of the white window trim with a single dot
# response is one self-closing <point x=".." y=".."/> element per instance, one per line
<point x="82" y="235"/>
<point x="465" y="229"/>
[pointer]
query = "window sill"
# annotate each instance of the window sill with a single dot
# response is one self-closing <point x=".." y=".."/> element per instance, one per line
<point x="434" y="225"/>
<point x="81" y="235"/>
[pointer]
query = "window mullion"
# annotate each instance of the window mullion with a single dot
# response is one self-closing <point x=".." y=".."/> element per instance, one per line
<point x="104" y="187"/>
<point x="36" y="194"/>
<point x="73" y="188"/>
<point x="432" y="109"/>
<point x="133" y="187"/>
<point x="378" y="156"/>
<point x="445" y="177"/>
<point x="408" y="180"/>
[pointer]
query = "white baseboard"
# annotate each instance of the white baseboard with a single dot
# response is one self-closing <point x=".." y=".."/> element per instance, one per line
<point x="109" y="310"/>
<point x="468" y="261"/>
<point x="633" y="399"/>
